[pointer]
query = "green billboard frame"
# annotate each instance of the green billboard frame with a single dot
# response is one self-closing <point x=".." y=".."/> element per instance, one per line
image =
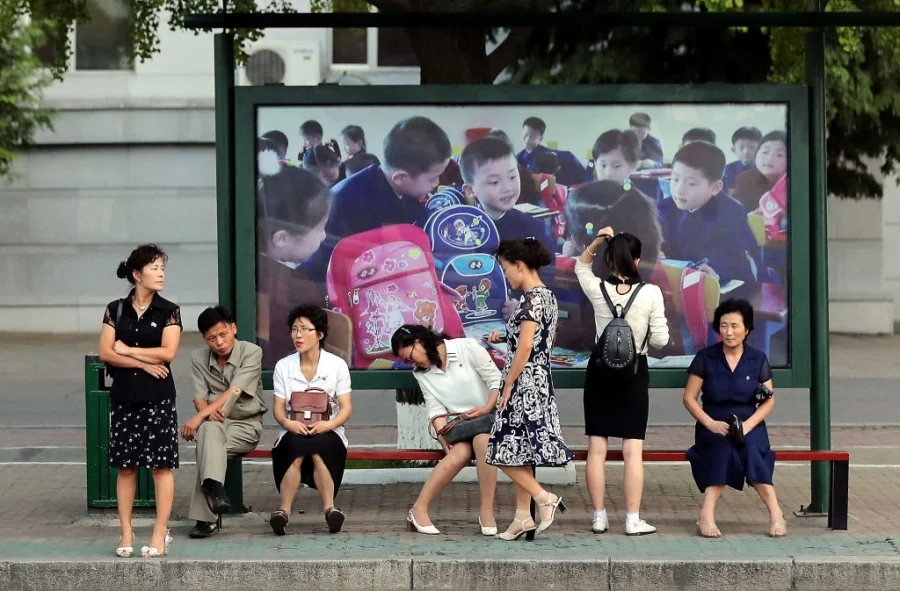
<point x="238" y="250"/>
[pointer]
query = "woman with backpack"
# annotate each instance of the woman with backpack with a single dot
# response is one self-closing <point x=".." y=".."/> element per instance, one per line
<point x="629" y="315"/>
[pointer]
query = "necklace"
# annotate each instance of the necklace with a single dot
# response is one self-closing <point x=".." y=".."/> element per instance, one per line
<point x="138" y="306"/>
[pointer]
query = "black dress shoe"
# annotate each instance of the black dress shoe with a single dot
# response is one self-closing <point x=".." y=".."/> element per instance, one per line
<point x="215" y="496"/>
<point x="204" y="529"/>
<point x="335" y="520"/>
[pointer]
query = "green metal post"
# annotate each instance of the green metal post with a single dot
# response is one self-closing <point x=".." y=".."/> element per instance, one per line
<point x="820" y="386"/>
<point x="224" y="68"/>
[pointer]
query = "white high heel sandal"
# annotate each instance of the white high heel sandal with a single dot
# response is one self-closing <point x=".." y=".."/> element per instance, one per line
<point x="487" y="531"/>
<point x="411" y="525"/>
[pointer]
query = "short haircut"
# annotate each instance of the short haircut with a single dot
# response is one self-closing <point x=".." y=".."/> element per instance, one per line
<point x="625" y="141"/>
<point x="500" y="134"/>
<point x="312" y="127"/>
<point x="546" y="162"/>
<point x="479" y="153"/>
<point x="639" y="120"/>
<point x="774" y="136"/>
<point x="535" y="123"/>
<point x="360" y="161"/>
<point x="699" y="134"/>
<point x="730" y="306"/>
<point x="530" y="251"/>
<point x="703" y="156"/>
<point x="212" y="316"/>
<point x="294" y="200"/>
<point x="746" y="133"/>
<point x="415" y="145"/>
<point x="317" y="317"/>
<point x="279" y="139"/>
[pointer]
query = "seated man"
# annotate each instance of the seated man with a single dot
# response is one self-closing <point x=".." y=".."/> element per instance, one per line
<point x="228" y="389"/>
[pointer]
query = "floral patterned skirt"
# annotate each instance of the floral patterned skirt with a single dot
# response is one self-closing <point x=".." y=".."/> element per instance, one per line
<point x="143" y="435"/>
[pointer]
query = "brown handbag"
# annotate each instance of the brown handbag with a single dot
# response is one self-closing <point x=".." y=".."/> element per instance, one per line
<point x="310" y="407"/>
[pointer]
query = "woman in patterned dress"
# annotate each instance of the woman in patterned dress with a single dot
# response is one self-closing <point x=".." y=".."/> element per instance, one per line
<point x="527" y="432"/>
<point x="139" y="338"/>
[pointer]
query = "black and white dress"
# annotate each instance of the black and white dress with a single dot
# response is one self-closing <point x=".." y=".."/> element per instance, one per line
<point x="527" y="431"/>
<point x="143" y="422"/>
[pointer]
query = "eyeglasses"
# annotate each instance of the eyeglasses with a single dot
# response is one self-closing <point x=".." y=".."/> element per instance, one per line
<point x="295" y="330"/>
<point x="408" y="360"/>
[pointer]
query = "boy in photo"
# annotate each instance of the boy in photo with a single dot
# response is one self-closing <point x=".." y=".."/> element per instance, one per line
<point x="491" y="175"/>
<point x="533" y="129"/>
<point x="698" y="134"/>
<point x="312" y="133"/>
<point x="651" y="147"/>
<point x="744" y="143"/>
<point x="416" y="152"/>
<point x="570" y="171"/>
<point x="699" y="222"/>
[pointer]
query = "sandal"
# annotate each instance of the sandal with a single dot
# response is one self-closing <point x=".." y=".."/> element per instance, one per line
<point x="150" y="552"/>
<point x="557" y="504"/>
<point x="778" y="529"/>
<point x="528" y="532"/>
<point x="708" y="529"/>
<point x="278" y="521"/>
<point x="125" y="551"/>
<point x="334" y="517"/>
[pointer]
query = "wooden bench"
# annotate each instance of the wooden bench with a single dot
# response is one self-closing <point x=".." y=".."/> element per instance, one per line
<point x="840" y="470"/>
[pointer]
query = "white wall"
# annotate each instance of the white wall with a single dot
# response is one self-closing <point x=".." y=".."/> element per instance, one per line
<point x="574" y="128"/>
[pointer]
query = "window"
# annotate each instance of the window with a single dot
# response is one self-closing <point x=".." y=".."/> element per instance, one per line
<point x="104" y="42"/>
<point x="381" y="48"/>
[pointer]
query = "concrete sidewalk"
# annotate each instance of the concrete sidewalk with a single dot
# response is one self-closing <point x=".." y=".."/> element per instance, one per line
<point x="49" y="541"/>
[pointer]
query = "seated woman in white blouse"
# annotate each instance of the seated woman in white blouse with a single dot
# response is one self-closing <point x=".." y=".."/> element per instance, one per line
<point x="312" y="454"/>
<point x="457" y="377"/>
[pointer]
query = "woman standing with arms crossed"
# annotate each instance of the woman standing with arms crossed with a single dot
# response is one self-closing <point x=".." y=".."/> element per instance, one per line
<point x="457" y="377"/>
<point x="139" y="338"/>
<point x="526" y="431"/>
<point x="617" y="401"/>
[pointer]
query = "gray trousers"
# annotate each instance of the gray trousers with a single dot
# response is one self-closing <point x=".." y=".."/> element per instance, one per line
<point x="216" y="442"/>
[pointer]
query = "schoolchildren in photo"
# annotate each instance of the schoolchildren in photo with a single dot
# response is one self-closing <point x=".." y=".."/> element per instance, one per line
<point x="228" y="398"/>
<point x="138" y="340"/>
<point x="460" y="384"/>
<point x="730" y="394"/>
<point x="630" y="318"/>
<point x="311" y="403"/>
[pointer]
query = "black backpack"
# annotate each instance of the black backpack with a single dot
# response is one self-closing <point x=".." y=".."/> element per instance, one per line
<point x="615" y="348"/>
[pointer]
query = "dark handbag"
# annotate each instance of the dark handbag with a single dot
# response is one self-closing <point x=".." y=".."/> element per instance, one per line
<point x="310" y="407"/>
<point x="736" y="431"/>
<point x="460" y="429"/>
<point x="762" y="393"/>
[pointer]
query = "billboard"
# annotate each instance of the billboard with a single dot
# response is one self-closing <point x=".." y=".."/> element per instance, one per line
<point x="388" y="214"/>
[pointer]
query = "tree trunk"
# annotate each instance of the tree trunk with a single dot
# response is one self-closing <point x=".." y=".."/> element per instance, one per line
<point x="412" y="421"/>
<point x="452" y="56"/>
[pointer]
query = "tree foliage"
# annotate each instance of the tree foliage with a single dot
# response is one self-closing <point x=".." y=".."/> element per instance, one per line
<point x="863" y="98"/>
<point x="21" y="84"/>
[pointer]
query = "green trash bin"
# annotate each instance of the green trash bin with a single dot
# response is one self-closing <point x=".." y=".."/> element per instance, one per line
<point x="101" y="477"/>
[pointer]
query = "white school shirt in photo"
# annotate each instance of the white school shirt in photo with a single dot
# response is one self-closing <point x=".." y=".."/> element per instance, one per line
<point x="647" y="311"/>
<point x="469" y="377"/>
<point x="332" y="375"/>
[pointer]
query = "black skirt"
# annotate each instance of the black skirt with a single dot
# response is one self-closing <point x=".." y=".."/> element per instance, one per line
<point x="143" y="435"/>
<point x="328" y="446"/>
<point x="616" y="402"/>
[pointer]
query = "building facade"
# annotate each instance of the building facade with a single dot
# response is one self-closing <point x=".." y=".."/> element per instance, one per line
<point x="132" y="160"/>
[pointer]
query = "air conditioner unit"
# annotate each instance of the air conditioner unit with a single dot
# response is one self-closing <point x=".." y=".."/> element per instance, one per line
<point x="281" y="63"/>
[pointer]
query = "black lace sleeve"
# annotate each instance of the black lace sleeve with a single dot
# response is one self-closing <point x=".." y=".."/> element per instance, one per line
<point x="108" y="318"/>
<point x="175" y="319"/>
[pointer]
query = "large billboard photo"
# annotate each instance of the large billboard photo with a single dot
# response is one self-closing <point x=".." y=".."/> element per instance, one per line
<point x="390" y="214"/>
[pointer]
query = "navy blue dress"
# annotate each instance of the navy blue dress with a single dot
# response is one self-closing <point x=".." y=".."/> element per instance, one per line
<point x="714" y="459"/>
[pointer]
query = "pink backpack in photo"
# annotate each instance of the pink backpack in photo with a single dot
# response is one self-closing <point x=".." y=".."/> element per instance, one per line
<point x="382" y="279"/>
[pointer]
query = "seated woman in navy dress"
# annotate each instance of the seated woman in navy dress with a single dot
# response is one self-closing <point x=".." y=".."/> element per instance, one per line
<point x="727" y="374"/>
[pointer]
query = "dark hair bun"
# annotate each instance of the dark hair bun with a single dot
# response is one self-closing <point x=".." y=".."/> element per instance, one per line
<point x="122" y="271"/>
<point x="541" y="256"/>
<point x="529" y="251"/>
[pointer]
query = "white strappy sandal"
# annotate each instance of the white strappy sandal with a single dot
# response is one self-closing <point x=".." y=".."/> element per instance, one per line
<point x="125" y="551"/>
<point x="149" y="552"/>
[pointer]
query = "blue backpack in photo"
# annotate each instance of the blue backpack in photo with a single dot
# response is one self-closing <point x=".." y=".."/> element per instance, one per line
<point x="463" y="240"/>
<point x="446" y="196"/>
